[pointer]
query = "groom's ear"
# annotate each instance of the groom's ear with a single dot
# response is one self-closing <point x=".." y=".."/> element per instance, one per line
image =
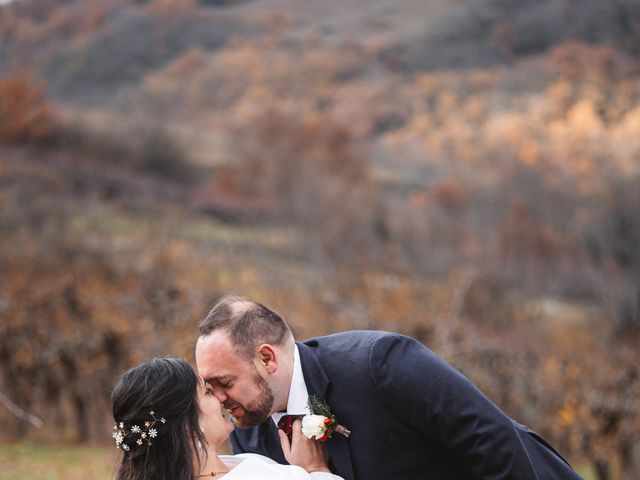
<point x="268" y="358"/>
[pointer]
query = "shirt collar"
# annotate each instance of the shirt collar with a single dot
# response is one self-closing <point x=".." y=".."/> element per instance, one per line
<point x="298" y="394"/>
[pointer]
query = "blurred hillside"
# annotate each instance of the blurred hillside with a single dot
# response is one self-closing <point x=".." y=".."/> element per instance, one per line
<point x="463" y="172"/>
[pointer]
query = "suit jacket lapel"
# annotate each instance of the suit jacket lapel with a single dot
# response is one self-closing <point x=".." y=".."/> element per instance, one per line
<point x="314" y="376"/>
<point x="317" y="383"/>
<point x="340" y="456"/>
<point x="271" y="441"/>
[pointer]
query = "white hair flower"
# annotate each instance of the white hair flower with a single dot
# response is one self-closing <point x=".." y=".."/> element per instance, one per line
<point x="147" y="432"/>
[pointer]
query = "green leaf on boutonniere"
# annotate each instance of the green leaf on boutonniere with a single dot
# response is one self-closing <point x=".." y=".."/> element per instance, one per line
<point x="318" y="406"/>
<point x="322" y="413"/>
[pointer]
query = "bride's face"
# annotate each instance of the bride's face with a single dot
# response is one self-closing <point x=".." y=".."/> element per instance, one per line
<point x="213" y="419"/>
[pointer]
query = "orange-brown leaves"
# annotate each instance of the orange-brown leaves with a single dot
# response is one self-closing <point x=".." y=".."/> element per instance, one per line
<point x="25" y="114"/>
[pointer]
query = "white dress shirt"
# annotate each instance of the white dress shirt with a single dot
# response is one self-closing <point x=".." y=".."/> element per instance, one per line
<point x="298" y="394"/>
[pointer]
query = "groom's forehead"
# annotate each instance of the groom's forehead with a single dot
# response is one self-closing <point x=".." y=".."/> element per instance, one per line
<point x="217" y="343"/>
<point x="217" y="356"/>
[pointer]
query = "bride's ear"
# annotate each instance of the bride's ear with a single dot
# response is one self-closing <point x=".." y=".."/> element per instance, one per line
<point x="267" y="358"/>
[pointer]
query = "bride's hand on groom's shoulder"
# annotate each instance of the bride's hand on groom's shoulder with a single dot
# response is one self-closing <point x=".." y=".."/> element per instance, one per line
<point x="306" y="453"/>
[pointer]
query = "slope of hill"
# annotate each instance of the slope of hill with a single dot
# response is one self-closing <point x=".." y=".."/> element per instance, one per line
<point x="89" y="51"/>
<point x="464" y="172"/>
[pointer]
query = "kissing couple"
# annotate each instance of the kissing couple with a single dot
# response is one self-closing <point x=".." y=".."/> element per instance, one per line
<point x="357" y="405"/>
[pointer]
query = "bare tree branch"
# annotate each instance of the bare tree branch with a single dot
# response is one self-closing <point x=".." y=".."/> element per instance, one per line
<point x="18" y="412"/>
<point x="455" y="310"/>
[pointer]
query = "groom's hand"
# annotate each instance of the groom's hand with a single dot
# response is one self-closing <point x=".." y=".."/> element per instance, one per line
<point x="302" y="451"/>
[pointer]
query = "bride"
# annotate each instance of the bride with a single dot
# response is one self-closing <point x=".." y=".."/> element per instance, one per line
<point x="170" y="427"/>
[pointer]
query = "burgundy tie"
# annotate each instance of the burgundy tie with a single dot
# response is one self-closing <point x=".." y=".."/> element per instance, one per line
<point x="285" y="424"/>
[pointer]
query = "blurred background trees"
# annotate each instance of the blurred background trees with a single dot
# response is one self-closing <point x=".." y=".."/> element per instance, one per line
<point x="466" y="174"/>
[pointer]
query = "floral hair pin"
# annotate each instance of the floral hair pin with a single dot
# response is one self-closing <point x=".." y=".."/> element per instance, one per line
<point x="321" y="423"/>
<point x="144" y="433"/>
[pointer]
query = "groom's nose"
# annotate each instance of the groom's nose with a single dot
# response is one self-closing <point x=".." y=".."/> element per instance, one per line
<point x="220" y="394"/>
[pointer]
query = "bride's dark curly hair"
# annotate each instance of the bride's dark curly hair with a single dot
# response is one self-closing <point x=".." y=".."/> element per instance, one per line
<point x="167" y="387"/>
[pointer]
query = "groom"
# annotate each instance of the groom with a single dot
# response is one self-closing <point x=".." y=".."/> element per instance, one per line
<point x="412" y="416"/>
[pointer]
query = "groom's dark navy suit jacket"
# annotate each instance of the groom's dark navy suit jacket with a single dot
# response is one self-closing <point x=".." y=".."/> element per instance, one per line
<point x="412" y="416"/>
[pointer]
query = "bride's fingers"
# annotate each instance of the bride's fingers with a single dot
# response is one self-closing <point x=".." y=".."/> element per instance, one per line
<point x="296" y="430"/>
<point x="284" y="443"/>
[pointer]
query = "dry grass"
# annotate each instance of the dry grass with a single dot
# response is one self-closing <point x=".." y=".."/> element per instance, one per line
<point x="29" y="461"/>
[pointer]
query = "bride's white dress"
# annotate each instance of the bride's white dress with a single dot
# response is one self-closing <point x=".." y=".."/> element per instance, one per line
<point x="251" y="466"/>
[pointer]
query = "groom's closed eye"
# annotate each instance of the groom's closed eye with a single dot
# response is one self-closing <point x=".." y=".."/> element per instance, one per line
<point x="221" y="382"/>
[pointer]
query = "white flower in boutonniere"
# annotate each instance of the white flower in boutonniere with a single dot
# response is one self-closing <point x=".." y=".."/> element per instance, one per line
<point x="321" y="424"/>
<point x="313" y="426"/>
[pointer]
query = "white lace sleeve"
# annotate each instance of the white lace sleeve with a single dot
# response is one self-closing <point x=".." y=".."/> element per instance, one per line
<point x="324" y="476"/>
<point x="256" y="467"/>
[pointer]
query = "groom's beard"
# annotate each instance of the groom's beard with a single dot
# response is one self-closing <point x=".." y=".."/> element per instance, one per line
<point x="258" y="411"/>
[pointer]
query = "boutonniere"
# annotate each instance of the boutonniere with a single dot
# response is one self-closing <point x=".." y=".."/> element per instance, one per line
<point x="321" y="423"/>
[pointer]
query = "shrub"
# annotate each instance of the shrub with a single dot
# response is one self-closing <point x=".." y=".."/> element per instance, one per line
<point x="614" y="244"/>
<point x="25" y="114"/>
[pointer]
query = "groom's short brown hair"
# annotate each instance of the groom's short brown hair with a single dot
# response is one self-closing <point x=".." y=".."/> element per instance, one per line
<point x="248" y="324"/>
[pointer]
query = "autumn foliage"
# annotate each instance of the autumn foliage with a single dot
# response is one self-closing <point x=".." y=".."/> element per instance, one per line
<point x="25" y="114"/>
<point x="477" y="190"/>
